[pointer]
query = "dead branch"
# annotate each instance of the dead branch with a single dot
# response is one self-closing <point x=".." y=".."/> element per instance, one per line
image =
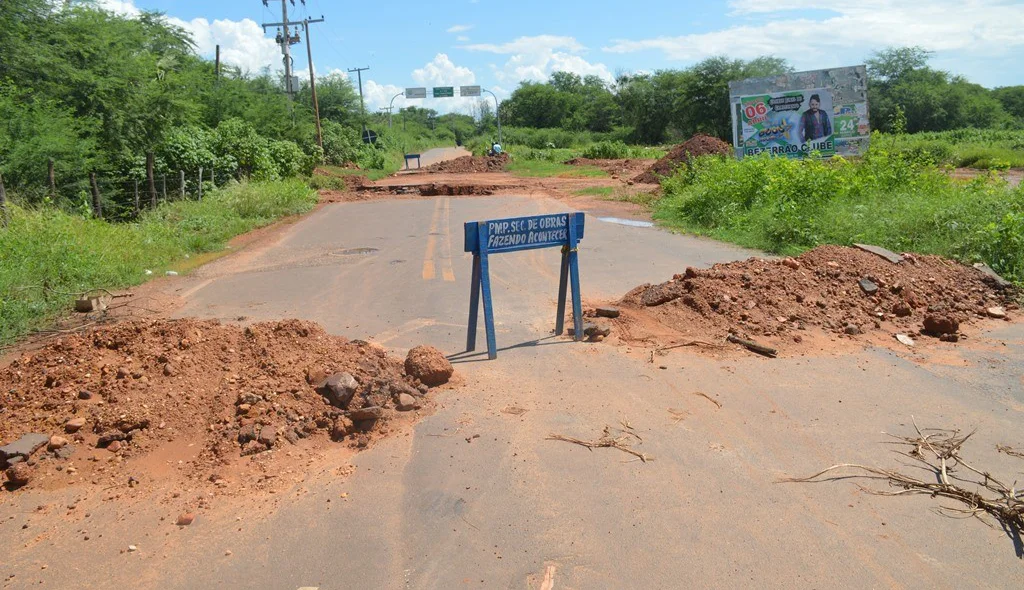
<point x="938" y="450"/>
<point x="753" y="346"/>
<point x="687" y="343"/>
<point x="709" y="398"/>
<point x="607" y="440"/>
<point x="679" y="415"/>
<point x="1010" y="451"/>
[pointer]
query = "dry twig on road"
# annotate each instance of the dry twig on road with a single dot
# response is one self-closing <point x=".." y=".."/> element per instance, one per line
<point x="1008" y="450"/>
<point x="709" y="398"/>
<point x="687" y="343"/>
<point x="753" y="346"/>
<point x="607" y="440"/>
<point x="938" y="450"/>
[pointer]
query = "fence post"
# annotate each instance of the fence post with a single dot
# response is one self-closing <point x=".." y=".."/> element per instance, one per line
<point x="51" y="177"/>
<point x="200" y="183"/>
<point x="97" y="204"/>
<point x="163" y="186"/>
<point x="3" y="203"/>
<point x="136" y="183"/>
<point x="213" y="181"/>
<point x="149" y="178"/>
<point x="181" y="179"/>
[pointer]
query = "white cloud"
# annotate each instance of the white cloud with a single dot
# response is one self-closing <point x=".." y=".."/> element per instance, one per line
<point x="462" y="38"/>
<point x="536" y="58"/>
<point x="530" y="44"/>
<point x="124" y="8"/>
<point x="970" y="27"/>
<point x="459" y="28"/>
<point x="441" y="71"/>
<point x="242" y="42"/>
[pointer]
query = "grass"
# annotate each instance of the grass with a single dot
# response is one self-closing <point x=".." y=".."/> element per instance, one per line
<point x="891" y="200"/>
<point x="545" y="169"/>
<point x="596" y="191"/>
<point x="49" y="255"/>
<point x="985" y="149"/>
<point x="372" y="174"/>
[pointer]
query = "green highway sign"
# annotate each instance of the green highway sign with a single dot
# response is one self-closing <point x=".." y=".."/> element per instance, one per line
<point x="444" y="92"/>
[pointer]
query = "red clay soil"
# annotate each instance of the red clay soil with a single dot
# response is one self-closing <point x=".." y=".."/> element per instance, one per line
<point x="698" y="145"/>
<point x="627" y="168"/>
<point x="784" y="300"/>
<point x="466" y="164"/>
<point x="127" y="390"/>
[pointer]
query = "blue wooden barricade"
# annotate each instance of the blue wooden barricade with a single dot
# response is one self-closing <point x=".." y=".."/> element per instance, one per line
<point x="499" y="236"/>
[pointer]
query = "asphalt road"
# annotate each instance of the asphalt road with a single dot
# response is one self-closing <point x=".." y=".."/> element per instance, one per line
<point x="443" y="508"/>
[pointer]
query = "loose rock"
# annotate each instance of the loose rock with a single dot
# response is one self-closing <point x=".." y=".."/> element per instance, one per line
<point x="74" y="425"/>
<point x="996" y="312"/>
<point x="339" y="389"/>
<point x="427" y="364"/>
<point x="406" y="402"/>
<point x="24" y="446"/>
<point x="938" y="324"/>
<point x="19" y="475"/>
<point x="268" y="436"/>
<point x="607" y="312"/>
<point x="186" y="519"/>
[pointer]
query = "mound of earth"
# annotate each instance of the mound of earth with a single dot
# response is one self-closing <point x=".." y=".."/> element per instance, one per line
<point x="125" y="391"/>
<point x="468" y="164"/>
<point x="836" y="289"/>
<point x="696" y="146"/>
<point x="613" y="167"/>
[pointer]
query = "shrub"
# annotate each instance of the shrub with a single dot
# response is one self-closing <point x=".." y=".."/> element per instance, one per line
<point x="887" y="199"/>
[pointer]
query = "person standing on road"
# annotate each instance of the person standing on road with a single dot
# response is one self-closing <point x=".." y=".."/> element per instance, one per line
<point x="814" y="124"/>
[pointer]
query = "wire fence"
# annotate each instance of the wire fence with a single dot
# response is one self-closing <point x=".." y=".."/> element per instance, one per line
<point x="122" y="198"/>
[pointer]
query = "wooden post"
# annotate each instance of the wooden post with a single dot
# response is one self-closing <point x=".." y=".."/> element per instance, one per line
<point x="3" y="203"/>
<point x="97" y="204"/>
<point x="181" y="180"/>
<point x="163" y="187"/>
<point x="136" y="183"/>
<point x="200" y="183"/>
<point x="149" y="177"/>
<point x="51" y="178"/>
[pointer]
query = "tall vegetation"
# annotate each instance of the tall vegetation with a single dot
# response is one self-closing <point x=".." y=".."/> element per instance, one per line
<point x="95" y="92"/>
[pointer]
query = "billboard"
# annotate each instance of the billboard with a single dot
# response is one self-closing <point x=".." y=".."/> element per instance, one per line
<point x="770" y="115"/>
<point x="792" y="124"/>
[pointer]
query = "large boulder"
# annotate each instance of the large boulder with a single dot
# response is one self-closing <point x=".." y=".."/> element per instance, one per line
<point x="427" y="364"/>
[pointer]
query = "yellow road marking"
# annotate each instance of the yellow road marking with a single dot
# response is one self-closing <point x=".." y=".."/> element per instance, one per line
<point x="449" y="272"/>
<point x="429" y="272"/>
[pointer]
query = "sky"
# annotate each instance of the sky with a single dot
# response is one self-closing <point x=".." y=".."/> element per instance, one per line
<point x="500" y="43"/>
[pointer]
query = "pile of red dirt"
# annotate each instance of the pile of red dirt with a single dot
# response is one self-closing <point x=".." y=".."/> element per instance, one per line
<point x="130" y="389"/>
<point x="469" y="164"/>
<point x="836" y="289"/>
<point x="696" y="146"/>
<point x="615" y="168"/>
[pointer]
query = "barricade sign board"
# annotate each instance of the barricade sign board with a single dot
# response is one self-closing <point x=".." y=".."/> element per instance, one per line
<point x="500" y="236"/>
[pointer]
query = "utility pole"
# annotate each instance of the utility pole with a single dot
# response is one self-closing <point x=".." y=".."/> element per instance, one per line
<point x="312" y="86"/>
<point x="216" y="67"/>
<point x="388" y="111"/>
<point x="362" y="105"/>
<point x="285" y="41"/>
